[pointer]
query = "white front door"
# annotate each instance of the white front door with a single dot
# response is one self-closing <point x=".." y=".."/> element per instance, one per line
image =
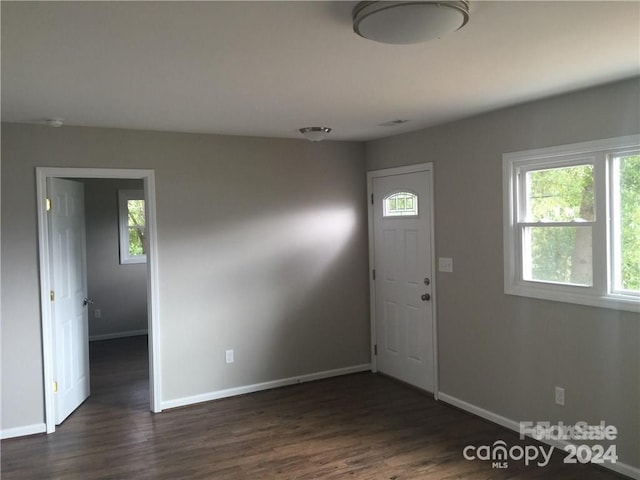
<point x="69" y="295"/>
<point x="403" y="283"/>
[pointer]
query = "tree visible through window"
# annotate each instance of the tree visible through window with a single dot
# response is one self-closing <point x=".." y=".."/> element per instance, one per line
<point x="572" y="223"/>
<point x="135" y="213"/>
<point x="626" y="229"/>
<point x="558" y="248"/>
<point x="132" y="226"/>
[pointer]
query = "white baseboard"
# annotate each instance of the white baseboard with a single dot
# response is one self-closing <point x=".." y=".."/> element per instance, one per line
<point x="23" y="431"/>
<point x="231" y="392"/>
<point x="618" y="467"/>
<point x="109" y="336"/>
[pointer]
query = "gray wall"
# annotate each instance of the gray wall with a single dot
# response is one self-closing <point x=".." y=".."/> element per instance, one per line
<point x="262" y="247"/>
<point x="119" y="291"/>
<point x="503" y="353"/>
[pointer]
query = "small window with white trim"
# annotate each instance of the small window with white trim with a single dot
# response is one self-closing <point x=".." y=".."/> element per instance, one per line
<point x="400" y="204"/>
<point x="572" y="223"/>
<point x="132" y="222"/>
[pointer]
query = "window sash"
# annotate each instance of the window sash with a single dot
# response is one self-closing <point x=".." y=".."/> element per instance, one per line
<point x="526" y="250"/>
<point x="549" y="164"/>
<point x="615" y="227"/>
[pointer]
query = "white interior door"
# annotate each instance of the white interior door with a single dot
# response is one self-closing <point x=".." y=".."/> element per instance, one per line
<point x="69" y="295"/>
<point x="403" y="283"/>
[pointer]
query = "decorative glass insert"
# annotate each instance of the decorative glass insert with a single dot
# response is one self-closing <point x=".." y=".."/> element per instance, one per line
<point x="400" y="204"/>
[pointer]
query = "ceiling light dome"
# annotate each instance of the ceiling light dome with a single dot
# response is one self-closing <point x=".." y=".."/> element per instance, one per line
<point x="54" y="122"/>
<point x="315" y="134"/>
<point x="403" y="23"/>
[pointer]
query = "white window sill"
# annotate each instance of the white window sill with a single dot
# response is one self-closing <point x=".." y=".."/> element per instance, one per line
<point x="540" y="291"/>
<point x="133" y="260"/>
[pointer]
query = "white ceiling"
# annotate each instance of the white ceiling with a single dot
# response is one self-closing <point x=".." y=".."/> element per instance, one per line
<point x="269" y="68"/>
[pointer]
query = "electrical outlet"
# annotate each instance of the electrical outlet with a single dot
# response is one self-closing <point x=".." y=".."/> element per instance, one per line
<point x="228" y="356"/>
<point x="97" y="313"/>
<point x="559" y="396"/>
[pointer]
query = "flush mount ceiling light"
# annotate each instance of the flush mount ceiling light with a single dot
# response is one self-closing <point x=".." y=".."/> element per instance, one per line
<point x="54" y="122"/>
<point x="315" y="134"/>
<point x="403" y="23"/>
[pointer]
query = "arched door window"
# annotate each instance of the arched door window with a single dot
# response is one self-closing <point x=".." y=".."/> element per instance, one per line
<point x="400" y="204"/>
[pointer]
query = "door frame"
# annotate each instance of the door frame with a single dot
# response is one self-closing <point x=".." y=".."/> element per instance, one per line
<point x="388" y="172"/>
<point x="153" y="316"/>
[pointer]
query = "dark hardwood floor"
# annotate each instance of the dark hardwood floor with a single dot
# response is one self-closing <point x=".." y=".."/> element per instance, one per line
<point x="360" y="426"/>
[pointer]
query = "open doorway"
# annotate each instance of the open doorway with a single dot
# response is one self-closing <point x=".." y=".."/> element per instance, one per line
<point x="48" y="262"/>
<point x="117" y="288"/>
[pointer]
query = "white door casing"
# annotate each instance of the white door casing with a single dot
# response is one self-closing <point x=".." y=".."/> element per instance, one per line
<point x="403" y="310"/>
<point x="67" y="247"/>
<point x="43" y="175"/>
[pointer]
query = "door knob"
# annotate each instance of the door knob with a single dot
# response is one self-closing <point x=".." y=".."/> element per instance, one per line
<point x="87" y="301"/>
<point x="425" y="297"/>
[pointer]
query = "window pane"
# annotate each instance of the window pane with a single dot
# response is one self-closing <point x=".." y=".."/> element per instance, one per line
<point x="560" y="194"/>
<point x="627" y="182"/>
<point x="400" y="204"/>
<point x="135" y="213"/>
<point x="135" y="209"/>
<point x="558" y="254"/>
<point x="136" y="241"/>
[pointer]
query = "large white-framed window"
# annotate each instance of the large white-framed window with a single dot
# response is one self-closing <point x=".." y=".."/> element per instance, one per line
<point x="132" y="223"/>
<point x="572" y="223"/>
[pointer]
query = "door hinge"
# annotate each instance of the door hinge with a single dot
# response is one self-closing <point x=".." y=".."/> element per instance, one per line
<point x="52" y="296"/>
<point x="48" y="204"/>
<point x="373" y="273"/>
<point x="375" y="349"/>
<point x="55" y="387"/>
<point x="372" y="199"/>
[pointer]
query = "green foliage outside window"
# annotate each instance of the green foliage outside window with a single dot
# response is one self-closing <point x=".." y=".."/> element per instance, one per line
<point x="630" y="221"/>
<point x="135" y="210"/>
<point x="561" y="253"/>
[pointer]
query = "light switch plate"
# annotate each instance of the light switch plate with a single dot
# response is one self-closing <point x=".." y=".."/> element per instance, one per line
<point x="445" y="264"/>
<point x="229" y="356"/>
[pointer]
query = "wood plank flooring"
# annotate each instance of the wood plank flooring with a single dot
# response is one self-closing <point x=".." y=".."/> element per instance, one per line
<point x="360" y="426"/>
